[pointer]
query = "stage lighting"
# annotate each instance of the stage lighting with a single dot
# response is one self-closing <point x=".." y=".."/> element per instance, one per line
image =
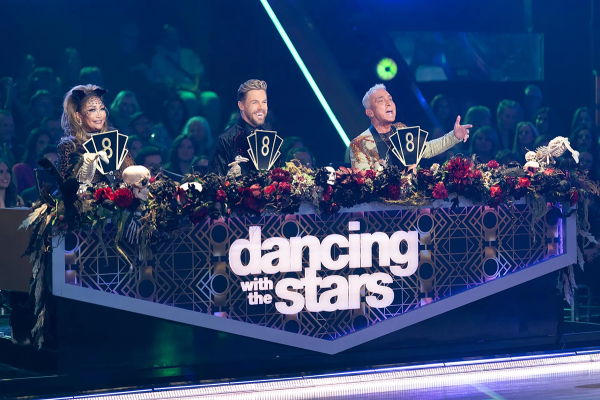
<point x="386" y="69"/>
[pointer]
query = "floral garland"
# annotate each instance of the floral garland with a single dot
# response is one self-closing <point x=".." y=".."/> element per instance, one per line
<point x="172" y="205"/>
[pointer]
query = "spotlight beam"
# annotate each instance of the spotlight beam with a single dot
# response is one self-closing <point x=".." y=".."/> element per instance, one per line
<point x="306" y="72"/>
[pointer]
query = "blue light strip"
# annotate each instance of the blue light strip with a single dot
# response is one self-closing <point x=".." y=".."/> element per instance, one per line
<point x="306" y="73"/>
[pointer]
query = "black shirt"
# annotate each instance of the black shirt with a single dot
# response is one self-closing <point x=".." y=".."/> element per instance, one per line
<point x="234" y="142"/>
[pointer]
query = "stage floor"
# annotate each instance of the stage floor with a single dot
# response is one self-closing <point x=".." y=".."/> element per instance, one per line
<point x="573" y="375"/>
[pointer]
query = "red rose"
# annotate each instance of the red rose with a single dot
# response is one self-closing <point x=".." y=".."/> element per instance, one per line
<point x="152" y="179"/>
<point x="285" y="187"/>
<point x="370" y="174"/>
<point x="393" y="192"/>
<point x="524" y="182"/>
<point x="495" y="191"/>
<point x="360" y="180"/>
<point x="493" y="164"/>
<point x="221" y="196"/>
<point x="440" y="191"/>
<point x="574" y="197"/>
<point x="280" y="175"/>
<point x="104" y="194"/>
<point x="123" y="197"/>
<point x="477" y="174"/>
<point x="548" y="171"/>
<point x="270" y="189"/>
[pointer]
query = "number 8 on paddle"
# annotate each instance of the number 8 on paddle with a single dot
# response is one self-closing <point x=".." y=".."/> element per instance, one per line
<point x="264" y="148"/>
<point x="113" y="144"/>
<point x="408" y="144"/>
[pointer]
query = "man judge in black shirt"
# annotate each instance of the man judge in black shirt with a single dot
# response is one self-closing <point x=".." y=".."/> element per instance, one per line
<point x="252" y="102"/>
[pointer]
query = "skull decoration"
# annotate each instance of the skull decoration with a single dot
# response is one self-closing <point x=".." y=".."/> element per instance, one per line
<point x="531" y="164"/>
<point x="186" y="186"/>
<point x="138" y="177"/>
<point x="331" y="177"/>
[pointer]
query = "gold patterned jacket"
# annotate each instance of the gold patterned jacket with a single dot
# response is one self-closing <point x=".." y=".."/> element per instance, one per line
<point x="364" y="153"/>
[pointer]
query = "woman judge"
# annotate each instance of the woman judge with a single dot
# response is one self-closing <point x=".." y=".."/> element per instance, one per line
<point x="84" y="114"/>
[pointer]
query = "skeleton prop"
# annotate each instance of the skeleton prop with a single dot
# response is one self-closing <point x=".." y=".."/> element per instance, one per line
<point x="86" y="173"/>
<point x="546" y="154"/>
<point x="234" y="168"/>
<point x="138" y="177"/>
<point x="331" y="177"/>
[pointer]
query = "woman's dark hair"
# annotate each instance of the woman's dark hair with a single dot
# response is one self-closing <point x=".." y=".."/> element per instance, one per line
<point x="173" y="164"/>
<point x="10" y="195"/>
<point x="30" y="157"/>
<point x="490" y="133"/>
<point x="174" y="131"/>
<point x="575" y="134"/>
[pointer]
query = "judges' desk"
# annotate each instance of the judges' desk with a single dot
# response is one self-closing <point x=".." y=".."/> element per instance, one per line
<point x="15" y="271"/>
<point x="371" y="284"/>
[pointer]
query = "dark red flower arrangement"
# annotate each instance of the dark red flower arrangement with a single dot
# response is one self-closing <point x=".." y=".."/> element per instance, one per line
<point x="123" y="197"/>
<point x="440" y="191"/>
<point x="102" y="194"/>
<point x="459" y="172"/>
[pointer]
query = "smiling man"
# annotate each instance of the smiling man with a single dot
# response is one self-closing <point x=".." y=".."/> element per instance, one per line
<point x="371" y="149"/>
<point x="252" y="102"/>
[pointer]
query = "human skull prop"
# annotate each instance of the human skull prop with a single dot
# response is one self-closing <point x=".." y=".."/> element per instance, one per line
<point x="138" y="177"/>
<point x="331" y="177"/>
<point x="186" y="186"/>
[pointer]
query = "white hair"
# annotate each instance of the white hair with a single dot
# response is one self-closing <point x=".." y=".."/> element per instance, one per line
<point x="366" y="101"/>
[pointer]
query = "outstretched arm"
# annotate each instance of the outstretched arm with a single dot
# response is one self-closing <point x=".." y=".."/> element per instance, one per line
<point x="438" y="146"/>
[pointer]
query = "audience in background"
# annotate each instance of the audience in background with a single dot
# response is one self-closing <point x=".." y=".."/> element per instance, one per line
<point x="581" y="117"/>
<point x="199" y="129"/>
<point x="173" y="119"/>
<point x="582" y="138"/>
<point x="531" y="103"/>
<point x="53" y="127"/>
<point x="121" y="110"/>
<point x="7" y="131"/>
<point x="183" y="151"/>
<point x="444" y="110"/>
<point x="8" y="191"/>
<point x="505" y="157"/>
<point x="32" y="194"/>
<point x="524" y="140"/>
<point x="38" y="139"/>
<point x="483" y="144"/>
<point x="509" y="113"/>
<point x="148" y="156"/>
<point x="303" y="155"/>
<point x="546" y="122"/>
<point x="134" y="144"/>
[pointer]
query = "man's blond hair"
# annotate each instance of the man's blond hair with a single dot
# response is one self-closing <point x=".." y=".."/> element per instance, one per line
<point x="252" y="84"/>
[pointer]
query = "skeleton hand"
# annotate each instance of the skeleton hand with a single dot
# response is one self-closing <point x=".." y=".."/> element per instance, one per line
<point x="132" y="230"/>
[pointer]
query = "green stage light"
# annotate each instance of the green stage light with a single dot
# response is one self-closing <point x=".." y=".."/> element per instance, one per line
<point x="386" y="69"/>
<point x="305" y="71"/>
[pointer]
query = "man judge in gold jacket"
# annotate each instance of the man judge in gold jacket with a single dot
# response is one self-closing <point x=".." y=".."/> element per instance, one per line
<point x="371" y="149"/>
